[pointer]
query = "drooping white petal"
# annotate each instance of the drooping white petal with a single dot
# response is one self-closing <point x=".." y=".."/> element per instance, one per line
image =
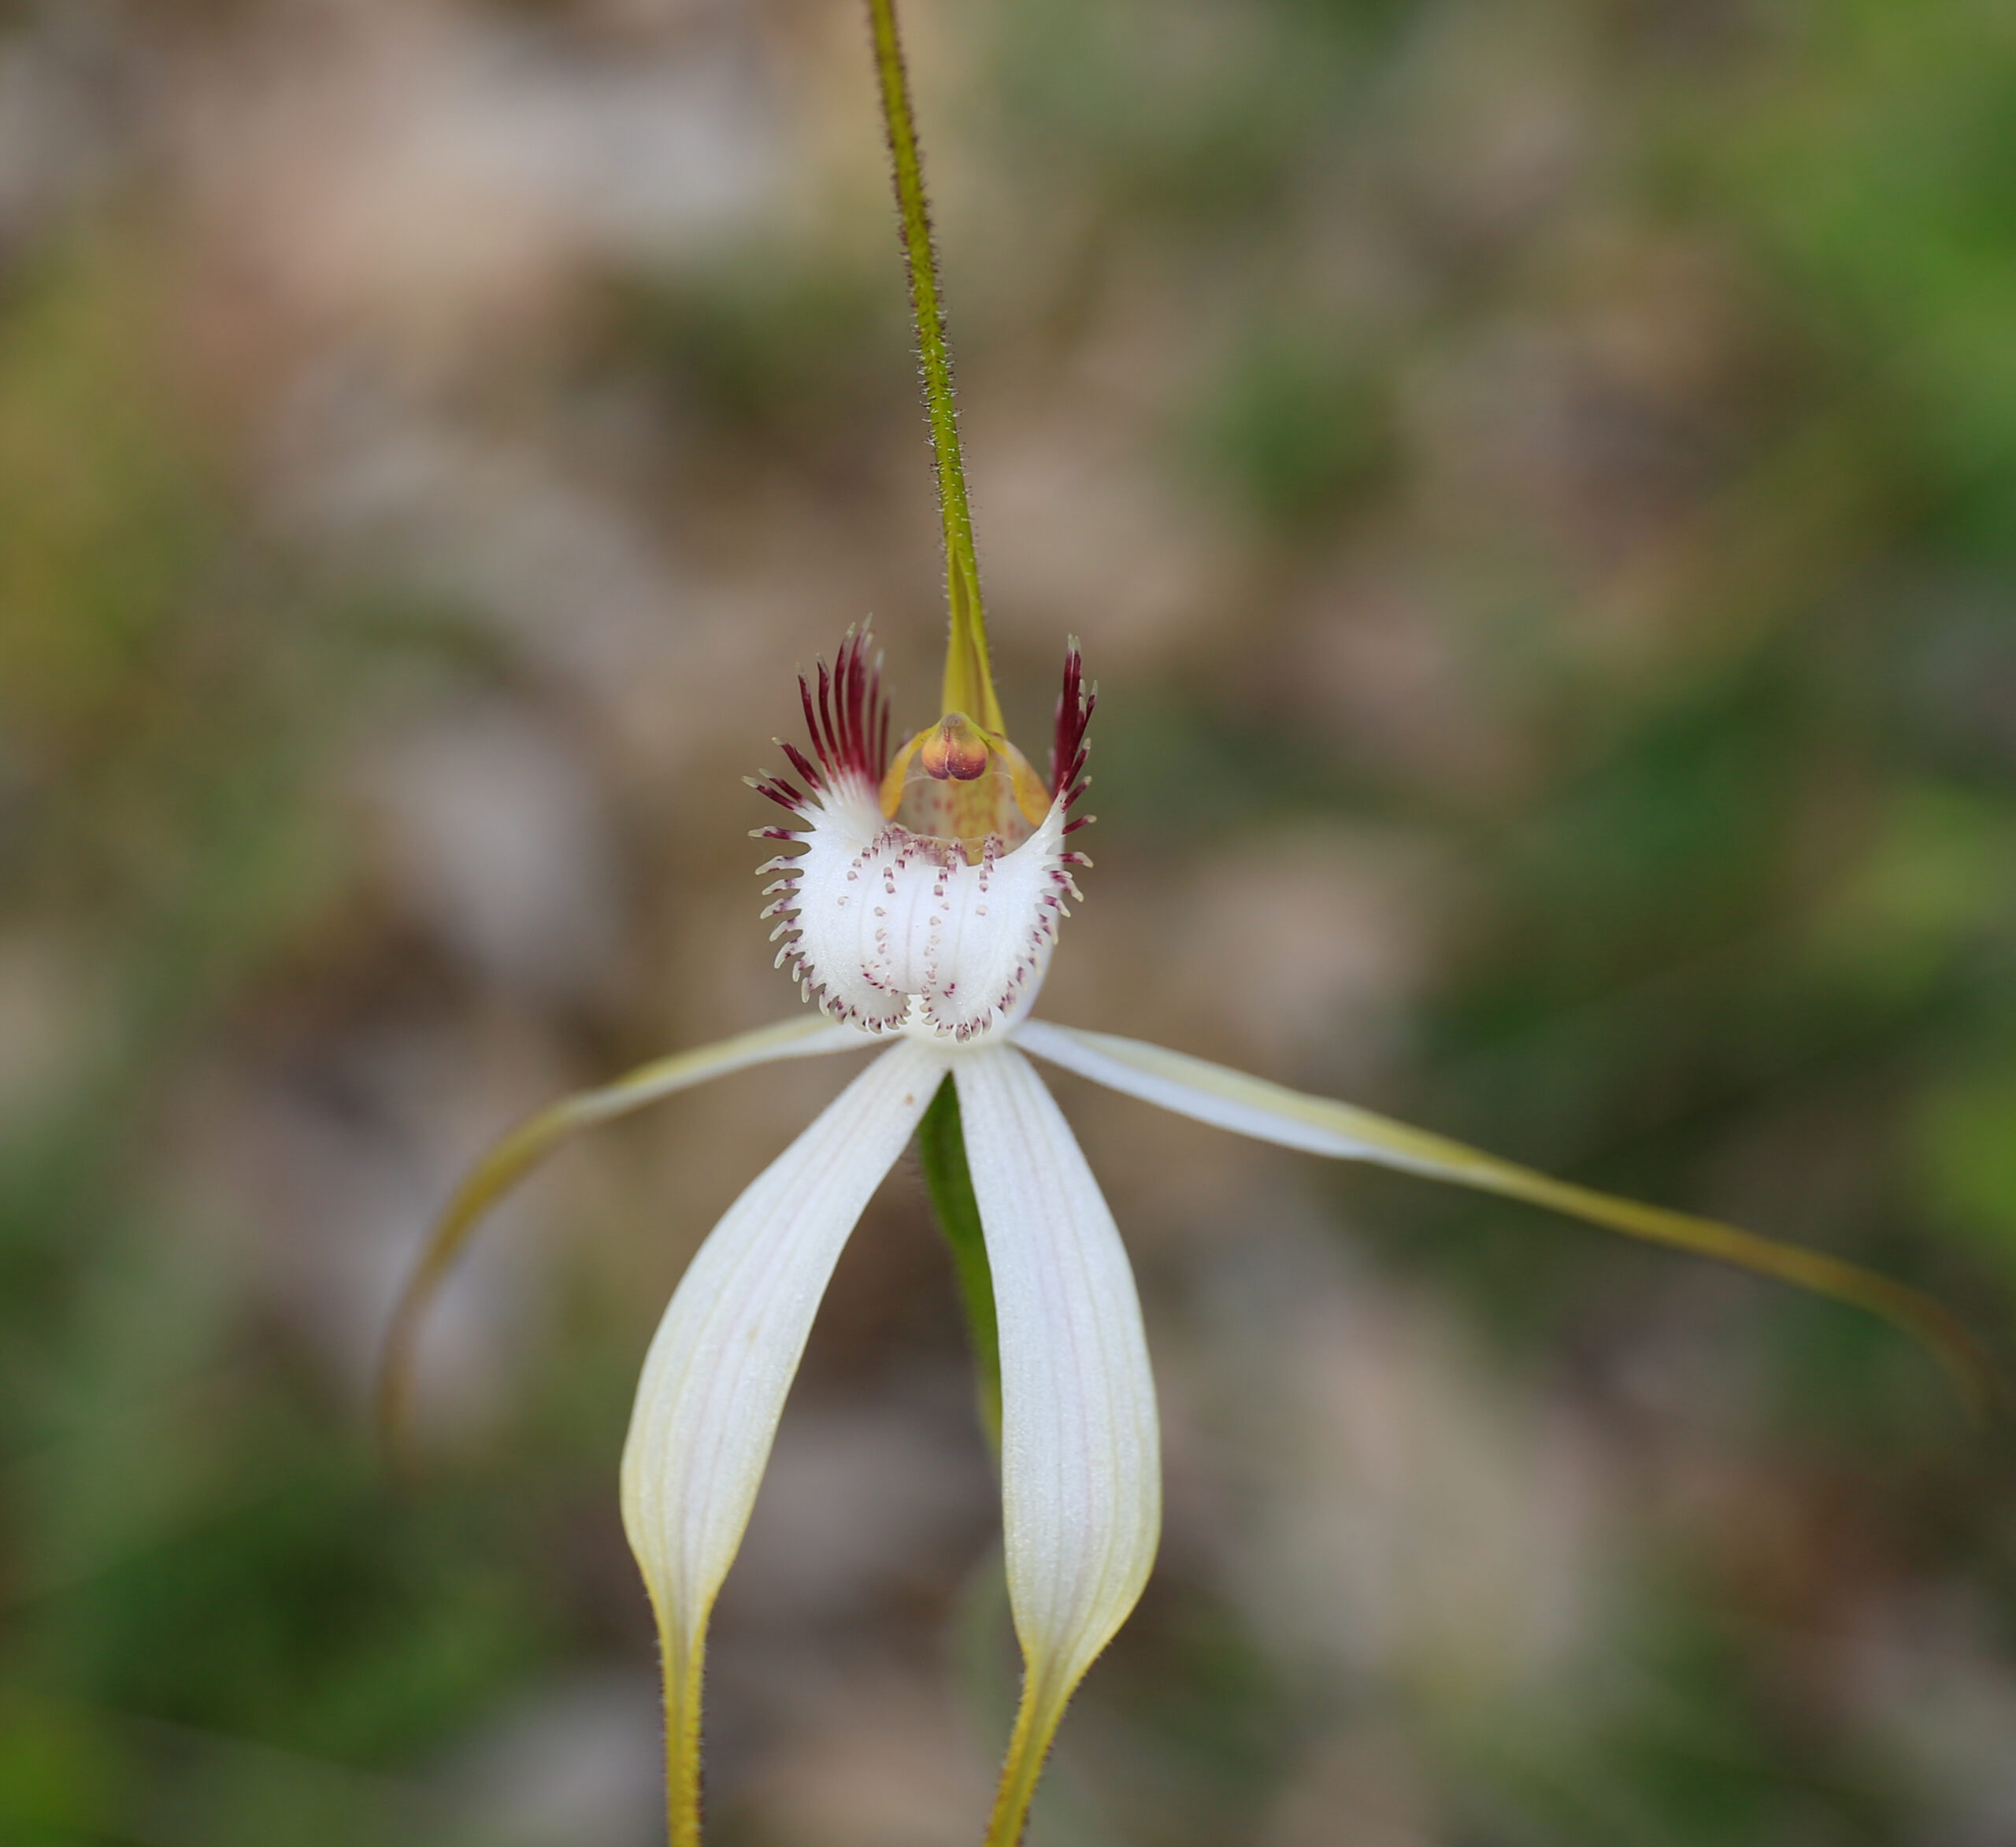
<point x="1229" y="1099"/>
<point x="1080" y="1456"/>
<point x="877" y="915"/>
<point x="715" y="1380"/>
<point x="524" y="1146"/>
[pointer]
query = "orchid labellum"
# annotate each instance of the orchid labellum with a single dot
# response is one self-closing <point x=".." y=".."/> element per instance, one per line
<point x="918" y="901"/>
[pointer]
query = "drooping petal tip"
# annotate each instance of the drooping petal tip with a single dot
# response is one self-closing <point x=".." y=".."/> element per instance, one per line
<point x="721" y="1363"/>
<point x="1080" y="1449"/>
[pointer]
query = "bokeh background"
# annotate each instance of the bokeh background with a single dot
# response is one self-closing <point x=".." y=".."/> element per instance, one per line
<point x="1536" y="483"/>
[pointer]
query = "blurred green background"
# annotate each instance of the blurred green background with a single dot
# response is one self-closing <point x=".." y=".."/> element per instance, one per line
<point x="1536" y="481"/>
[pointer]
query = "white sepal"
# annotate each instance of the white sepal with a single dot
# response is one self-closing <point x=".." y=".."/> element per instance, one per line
<point x="1229" y="1099"/>
<point x="715" y="1380"/>
<point x="1080" y="1462"/>
<point x="1271" y="1113"/>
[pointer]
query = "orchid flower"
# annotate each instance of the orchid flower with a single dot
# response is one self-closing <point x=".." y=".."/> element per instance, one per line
<point x="918" y="902"/>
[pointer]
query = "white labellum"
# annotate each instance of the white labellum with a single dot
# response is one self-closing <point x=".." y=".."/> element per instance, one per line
<point x="877" y="917"/>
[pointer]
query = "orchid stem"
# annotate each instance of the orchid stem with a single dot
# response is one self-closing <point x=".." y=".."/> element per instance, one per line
<point x="968" y="681"/>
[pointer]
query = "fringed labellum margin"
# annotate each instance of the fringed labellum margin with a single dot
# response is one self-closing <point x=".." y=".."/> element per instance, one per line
<point x="927" y="894"/>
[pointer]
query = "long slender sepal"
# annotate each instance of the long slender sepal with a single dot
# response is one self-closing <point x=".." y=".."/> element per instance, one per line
<point x="968" y="681"/>
<point x="941" y="1148"/>
<point x="523" y="1147"/>
<point x="1230" y="1099"/>
<point x="1080" y="1455"/>
<point x="715" y="1380"/>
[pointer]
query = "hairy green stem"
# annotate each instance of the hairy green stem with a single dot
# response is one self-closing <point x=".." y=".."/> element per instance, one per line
<point x="968" y="682"/>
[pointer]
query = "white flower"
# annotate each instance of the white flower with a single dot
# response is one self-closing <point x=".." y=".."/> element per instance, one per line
<point x="920" y="910"/>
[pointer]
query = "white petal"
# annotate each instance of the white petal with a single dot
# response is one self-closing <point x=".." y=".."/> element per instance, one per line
<point x="1229" y="1099"/>
<point x="1271" y="1113"/>
<point x="876" y="916"/>
<point x="522" y="1147"/>
<point x="1081" y="1473"/>
<point x="715" y="1380"/>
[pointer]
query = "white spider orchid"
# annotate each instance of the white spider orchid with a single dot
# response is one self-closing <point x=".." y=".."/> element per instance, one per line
<point x="920" y="912"/>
